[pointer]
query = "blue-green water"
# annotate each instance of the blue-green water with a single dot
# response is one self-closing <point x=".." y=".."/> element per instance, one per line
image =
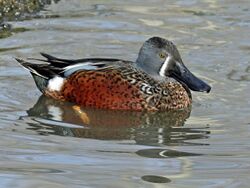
<point x="45" y="143"/>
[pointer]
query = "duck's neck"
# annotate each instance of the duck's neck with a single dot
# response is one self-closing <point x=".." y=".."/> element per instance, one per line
<point x="150" y="71"/>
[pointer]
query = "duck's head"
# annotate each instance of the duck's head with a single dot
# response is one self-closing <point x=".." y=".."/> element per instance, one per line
<point x="160" y="59"/>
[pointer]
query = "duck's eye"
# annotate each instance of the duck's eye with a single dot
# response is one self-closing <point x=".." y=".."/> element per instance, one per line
<point x="162" y="55"/>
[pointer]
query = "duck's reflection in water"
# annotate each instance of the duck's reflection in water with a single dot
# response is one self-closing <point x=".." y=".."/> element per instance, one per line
<point x="49" y="116"/>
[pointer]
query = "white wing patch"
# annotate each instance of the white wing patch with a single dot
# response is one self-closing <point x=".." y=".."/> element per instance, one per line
<point x="56" y="83"/>
<point x="80" y="66"/>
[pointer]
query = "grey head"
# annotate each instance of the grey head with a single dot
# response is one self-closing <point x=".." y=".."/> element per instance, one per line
<point x="160" y="59"/>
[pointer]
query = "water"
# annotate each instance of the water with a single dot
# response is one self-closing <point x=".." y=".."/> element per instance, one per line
<point x="46" y="143"/>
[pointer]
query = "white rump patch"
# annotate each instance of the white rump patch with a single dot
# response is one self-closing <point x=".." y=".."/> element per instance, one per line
<point x="164" y="66"/>
<point x="56" y="83"/>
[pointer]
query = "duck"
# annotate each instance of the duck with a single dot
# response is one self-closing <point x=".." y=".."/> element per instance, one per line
<point x="157" y="81"/>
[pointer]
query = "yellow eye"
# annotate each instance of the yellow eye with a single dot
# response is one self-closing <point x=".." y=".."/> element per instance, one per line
<point x="162" y="55"/>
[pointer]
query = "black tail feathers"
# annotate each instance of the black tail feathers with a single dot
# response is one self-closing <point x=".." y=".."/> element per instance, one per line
<point x="41" y="80"/>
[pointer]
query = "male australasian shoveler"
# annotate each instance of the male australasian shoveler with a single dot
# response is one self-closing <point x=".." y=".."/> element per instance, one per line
<point x="158" y="80"/>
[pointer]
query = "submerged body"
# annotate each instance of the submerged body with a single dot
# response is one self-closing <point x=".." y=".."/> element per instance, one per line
<point x="116" y="84"/>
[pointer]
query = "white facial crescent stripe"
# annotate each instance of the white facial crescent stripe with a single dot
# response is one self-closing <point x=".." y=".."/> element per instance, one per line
<point x="164" y="66"/>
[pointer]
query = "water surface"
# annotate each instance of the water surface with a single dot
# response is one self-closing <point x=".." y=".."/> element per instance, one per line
<point x="46" y="143"/>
